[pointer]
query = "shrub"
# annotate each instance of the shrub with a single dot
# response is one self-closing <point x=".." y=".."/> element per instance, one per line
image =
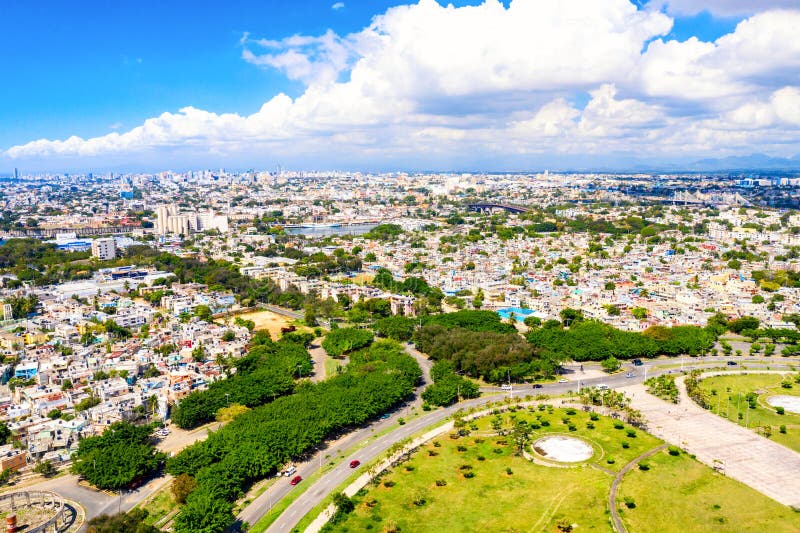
<point x="631" y="433"/>
<point x="619" y="425"/>
<point x="780" y="410"/>
<point x="432" y="453"/>
<point x="389" y="483"/>
<point x="626" y="444"/>
<point x="629" y="502"/>
<point x="782" y="429"/>
<point x="594" y="417"/>
<point x="436" y="444"/>
<point x="461" y="448"/>
<point x="674" y="450"/>
<point x="469" y="475"/>
<point x="509" y="471"/>
<point x="644" y="466"/>
<point x="570" y="411"/>
<point x="589" y="425"/>
<point x="572" y="427"/>
<point x="441" y="483"/>
<point x="610" y="460"/>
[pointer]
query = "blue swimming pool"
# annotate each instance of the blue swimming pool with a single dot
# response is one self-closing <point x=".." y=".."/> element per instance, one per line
<point x="519" y="313"/>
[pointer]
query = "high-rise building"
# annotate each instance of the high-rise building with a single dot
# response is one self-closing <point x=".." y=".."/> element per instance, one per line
<point x="16" y="173"/>
<point x="104" y="249"/>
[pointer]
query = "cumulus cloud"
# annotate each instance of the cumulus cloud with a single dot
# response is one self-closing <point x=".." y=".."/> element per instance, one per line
<point x="337" y="6"/>
<point x="488" y="81"/>
<point x="723" y="8"/>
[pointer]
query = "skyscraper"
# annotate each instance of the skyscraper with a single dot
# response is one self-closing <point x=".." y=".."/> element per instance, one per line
<point x="16" y="173"/>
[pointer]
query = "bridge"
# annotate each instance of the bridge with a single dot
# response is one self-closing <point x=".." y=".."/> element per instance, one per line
<point x="506" y="207"/>
<point x="84" y="231"/>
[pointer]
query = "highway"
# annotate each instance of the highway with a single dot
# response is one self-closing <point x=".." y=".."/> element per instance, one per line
<point x="374" y="447"/>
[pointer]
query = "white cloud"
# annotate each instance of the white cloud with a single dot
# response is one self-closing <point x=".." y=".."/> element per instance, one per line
<point x="337" y="6"/>
<point x="763" y="53"/>
<point x="723" y="8"/>
<point x="486" y="82"/>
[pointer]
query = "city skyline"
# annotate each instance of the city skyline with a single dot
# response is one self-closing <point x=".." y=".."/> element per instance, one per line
<point x="378" y="86"/>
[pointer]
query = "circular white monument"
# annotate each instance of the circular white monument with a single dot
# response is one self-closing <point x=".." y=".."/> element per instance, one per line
<point x="563" y="449"/>
<point x="789" y="403"/>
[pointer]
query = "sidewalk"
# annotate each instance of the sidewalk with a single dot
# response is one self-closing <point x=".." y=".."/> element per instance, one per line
<point x="764" y="465"/>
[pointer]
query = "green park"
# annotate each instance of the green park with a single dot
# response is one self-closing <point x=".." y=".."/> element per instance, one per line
<point x="745" y="399"/>
<point x="498" y="473"/>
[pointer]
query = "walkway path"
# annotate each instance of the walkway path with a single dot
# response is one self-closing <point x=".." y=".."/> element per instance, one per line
<point x="743" y="455"/>
<point x="612" y="495"/>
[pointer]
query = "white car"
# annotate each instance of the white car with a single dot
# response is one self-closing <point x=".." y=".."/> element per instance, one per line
<point x="562" y="380"/>
<point x="602" y="386"/>
<point x="505" y="386"/>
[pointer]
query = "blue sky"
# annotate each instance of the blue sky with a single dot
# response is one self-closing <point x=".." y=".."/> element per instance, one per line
<point x="91" y="68"/>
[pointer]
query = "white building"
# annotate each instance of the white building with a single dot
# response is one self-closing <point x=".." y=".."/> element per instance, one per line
<point x="104" y="249"/>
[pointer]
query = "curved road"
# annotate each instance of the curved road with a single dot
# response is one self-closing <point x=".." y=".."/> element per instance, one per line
<point x="373" y="448"/>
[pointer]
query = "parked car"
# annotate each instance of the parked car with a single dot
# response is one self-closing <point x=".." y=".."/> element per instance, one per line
<point x="384" y="416"/>
<point x="354" y="463"/>
<point x="637" y="362"/>
<point x="537" y="385"/>
<point x="505" y="386"/>
<point x="629" y="375"/>
<point x="731" y="363"/>
<point x="563" y="380"/>
<point x="289" y="471"/>
<point x="295" y="480"/>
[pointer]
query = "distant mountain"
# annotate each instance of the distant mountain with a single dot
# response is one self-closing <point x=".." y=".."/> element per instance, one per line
<point x="747" y="162"/>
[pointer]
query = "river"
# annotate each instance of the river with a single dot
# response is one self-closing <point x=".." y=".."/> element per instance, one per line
<point x="355" y="229"/>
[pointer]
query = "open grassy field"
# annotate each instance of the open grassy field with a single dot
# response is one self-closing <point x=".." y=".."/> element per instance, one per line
<point x="477" y="483"/>
<point x="728" y="399"/>
<point x="680" y="494"/>
<point x="531" y="497"/>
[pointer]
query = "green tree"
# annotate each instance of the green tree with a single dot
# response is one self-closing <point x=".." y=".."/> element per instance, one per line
<point x="182" y="486"/>
<point x="203" y="312"/>
<point x="611" y="364"/>
<point x="122" y="454"/>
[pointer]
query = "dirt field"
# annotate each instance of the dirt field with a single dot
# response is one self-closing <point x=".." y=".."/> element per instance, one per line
<point x="267" y="320"/>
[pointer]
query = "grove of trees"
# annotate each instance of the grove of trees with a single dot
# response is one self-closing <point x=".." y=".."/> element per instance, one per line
<point x="124" y="453"/>
<point x="265" y="373"/>
<point x="257" y="443"/>
<point x="345" y="340"/>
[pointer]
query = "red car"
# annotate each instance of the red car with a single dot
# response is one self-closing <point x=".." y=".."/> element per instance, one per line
<point x="295" y="480"/>
<point x="354" y="463"/>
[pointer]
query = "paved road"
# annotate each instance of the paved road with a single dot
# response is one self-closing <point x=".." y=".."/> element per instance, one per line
<point x="335" y="477"/>
<point x="97" y="502"/>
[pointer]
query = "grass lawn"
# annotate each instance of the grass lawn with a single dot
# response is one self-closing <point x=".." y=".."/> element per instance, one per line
<point x="432" y="491"/>
<point x="679" y="494"/>
<point x="159" y="505"/>
<point x="532" y="498"/>
<point x="727" y="395"/>
<point x="331" y="366"/>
